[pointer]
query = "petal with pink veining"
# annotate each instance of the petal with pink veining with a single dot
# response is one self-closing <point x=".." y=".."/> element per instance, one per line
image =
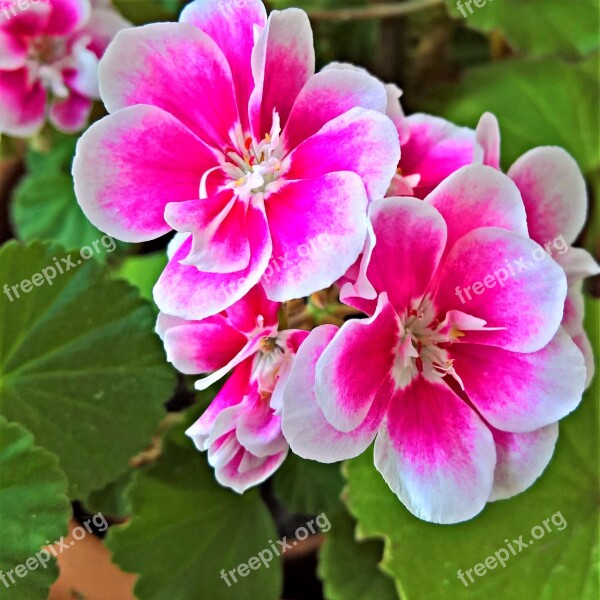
<point x="355" y="365"/>
<point x="13" y="51"/>
<point x="553" y="191"/>
<point x="521" y="459"/>
<point x="304" y="425"/>
<point x="72" y="114"/>
<point x="176" y="67"/>
<point x="67" y="15"/>
<point x="520" y="392"/>
<point x="283" y="60"/>
<point x="361" y="140"/>
<point x="22" y="105"/>
<point x="231" y="25"/>
<point x="185" y="291"/>
<point x="496" y="275"/>
<point x="310" y="257"/>
<point x="130" y="165"/>
<point x="435" y="453"/>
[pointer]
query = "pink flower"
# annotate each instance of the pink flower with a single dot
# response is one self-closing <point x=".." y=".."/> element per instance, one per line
<point x="554" y="192"/>
<point x="241" y="429"/>
<point x="461" y="383"/>
<point x="49" y="51"/>
<point x="220" y="129"/>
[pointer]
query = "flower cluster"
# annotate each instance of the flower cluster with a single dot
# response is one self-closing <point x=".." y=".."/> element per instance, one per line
<point x="49" y="54"/>
<point x="220" y="130"/>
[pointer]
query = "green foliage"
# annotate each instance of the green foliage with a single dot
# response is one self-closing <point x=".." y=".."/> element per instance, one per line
<point x="307" y="487"/>
<point x="186" y="528"/>
<point x="45" y="206"/>
<point x="34" y="508"/>
<point x="534" y="27"/>
<point x="349" y="566"/>
<point x="424" y="558"/>
<point x="143" y="271"/>
<point x="79" y="364"/>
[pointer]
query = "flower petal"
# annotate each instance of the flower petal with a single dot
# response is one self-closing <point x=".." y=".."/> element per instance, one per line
<point x="283" y="60"/>
<point x="488" y="137"/>
<point x="355" y="365"/>
<point x="554" y="193"/>
<point x="130" y="165"/>
<point x="519" y="392"/>
<point x="103" y="26"/>
<point x="185" y="291"/>
<point x="176" y="67"/>
<point x="67" y="15"/>
<point x="13" y="51"/>
<point x="434" y="150"/>
<point x="478" y="196"/>
<point x="22" y="105"/>
<point x="304" y="425"/>
<point x="218" y="223"/>
<point x="508" y="281"/>
<point x="333" y="209"/>
<point x="402" y="264"/>
<point x="361" y="140"/>
<point x="72" y="114"/>
<point x="521" y="459"/>
<point x="328" y="95"/>
<point x="231" y="25"/>
<point x="435" y="453"/>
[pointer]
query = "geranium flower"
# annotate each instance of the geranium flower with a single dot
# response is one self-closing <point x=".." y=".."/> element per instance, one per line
<point x="49" y="52"/>
<point x="220" y="129"/>
<point x="555" y="196"/>
<point x="460" y="373"/>
<point x="241" y="429"/>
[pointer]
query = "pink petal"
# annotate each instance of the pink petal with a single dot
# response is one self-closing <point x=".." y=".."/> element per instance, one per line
<point x="27" y="23"/>
<point x="521" y="459"/>
<point x="82" y="77"/>
<point x="361" y="140"/>
<point x="185" y="291"/>
<point x="553" y="191"/>
<point x="13" y="50"/>
<point x="330" y="94"/>
<point x="220" y="243"/>
<point x="283" y="60"/>
<point x="403" y="265"/>
<point x="176" y="67"/>
<point x="130" y="165"/>
<point x="304" y="425"/>
<point x="577" y="262"/>
<point x="72" y="114"/>
<point x="231" y="25"/>
<point x="435" y="453"/>
<point x="103" y="26"/>
<point x="521" y="289"/>
<point x="435" y="149"/>
<point x="201" y="347"/>
<point x="333" y="210"/>
<point x="478" y="196"/>
<point x="253" y="311"/>
<point x="488" y="137"/>
<point x="355" y="365"/>
<point x="22" y="105"/>
<point x="583" y="343"/>
<point x="521" y="392"/>
<point x="67" y="15"/>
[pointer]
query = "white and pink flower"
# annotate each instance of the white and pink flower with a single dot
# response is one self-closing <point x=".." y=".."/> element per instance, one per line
<point x="462" y="399"/>
<point x="241" y="429"/>
<point x="49" y="53"/>
<point x="555" y="197"/>
<point x="220" y="129"/>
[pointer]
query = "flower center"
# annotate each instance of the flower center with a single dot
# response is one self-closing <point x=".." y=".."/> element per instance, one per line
<point x="250" y="165"/>
<point x="423" y="346"/>
<point x="267" y="363"/>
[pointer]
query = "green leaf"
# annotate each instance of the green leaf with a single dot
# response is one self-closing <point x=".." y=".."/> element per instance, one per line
<point x="111" y="500"/>
<point x="80" y="366"/>
<point x="186" y="529"/>
<point x="44" y="204"/>
<point x="34" y="509"/>
<point x="307" y="487"/>
<point x="533" y="27"/>
<point x="424" y="558"/>
<point x="342" y="549"/>
<point x="143" y="271"/>
<point x="546" y="102"/>
<point x="148" y="11"/>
